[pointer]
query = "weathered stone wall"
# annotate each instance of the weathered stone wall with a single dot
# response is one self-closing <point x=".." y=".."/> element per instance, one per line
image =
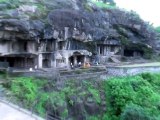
<point x="110" y="72"/>
<point x="4" y="47"/>
<point x="124" y="71"/>
<point x="54" y="75"/>
<point x="94" y="76"/>
<point x="37" y="74"/>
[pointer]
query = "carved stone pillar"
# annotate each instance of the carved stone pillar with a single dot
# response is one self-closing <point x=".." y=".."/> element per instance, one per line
<point x="40" y="61"/>
<point x="75" y="60"/>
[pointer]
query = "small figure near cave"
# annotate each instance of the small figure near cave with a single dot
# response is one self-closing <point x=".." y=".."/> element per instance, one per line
<point x="35" y="67"/>
<point x="79" y="64"/>
<point x="72" y="67"/>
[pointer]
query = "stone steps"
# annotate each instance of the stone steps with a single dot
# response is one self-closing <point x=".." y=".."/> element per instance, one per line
<point x="115" y="60"/>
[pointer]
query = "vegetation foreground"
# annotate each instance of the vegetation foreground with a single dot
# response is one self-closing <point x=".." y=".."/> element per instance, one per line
<point x="126" y="98"/>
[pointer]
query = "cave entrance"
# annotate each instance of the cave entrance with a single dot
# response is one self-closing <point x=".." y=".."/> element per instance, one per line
<point x="18" y="62"/>
<point x="9" y="60"/>
<point x="128" y="53"/>
<point x="46" y="63"/>
<point x="76" y="59"/>
<point x="80" y="58"/>
<point x="61" y="45"/>
<point x="133" y="53"/>
<point x="71" y="60"/>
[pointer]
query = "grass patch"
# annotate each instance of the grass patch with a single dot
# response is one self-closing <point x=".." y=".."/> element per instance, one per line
<point x="103" y="5"/>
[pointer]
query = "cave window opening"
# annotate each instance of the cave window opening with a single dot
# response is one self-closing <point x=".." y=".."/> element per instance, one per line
<point x="49" y="46"/>
<point x="101" y="50"/>
<point x="25" y="47"/>
<point x="60" y="45"/>
<point x="112" y="48"/>
<point x="60" y="60"/>
<point x="29" y="62"/>
<point x="15" y="47"/>
<point x="128" y="53"/>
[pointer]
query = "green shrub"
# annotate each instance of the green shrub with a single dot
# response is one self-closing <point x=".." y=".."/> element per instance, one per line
<point x="148" y="52"/>
<point x="134" y="112"/>
<point x="153" y="79"/>
<point x="30" y="93"/>
<point x="25" y="89"/>
<point x="95" y="94"/>
<point x="141" y="90"/>
<point x="40" y="106"/>
<point x="157" y="29"/>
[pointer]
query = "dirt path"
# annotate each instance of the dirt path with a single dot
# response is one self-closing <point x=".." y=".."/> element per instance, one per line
<point x="10" y="113"/>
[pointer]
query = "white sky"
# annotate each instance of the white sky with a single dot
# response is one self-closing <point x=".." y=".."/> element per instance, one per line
<point x="149" y="10"/>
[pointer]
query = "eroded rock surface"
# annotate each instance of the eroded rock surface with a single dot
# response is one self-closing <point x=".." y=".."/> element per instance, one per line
<point x="37" y="19"/>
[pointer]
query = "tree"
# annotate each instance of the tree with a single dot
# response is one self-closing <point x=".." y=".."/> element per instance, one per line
<point x="157" y="29"/>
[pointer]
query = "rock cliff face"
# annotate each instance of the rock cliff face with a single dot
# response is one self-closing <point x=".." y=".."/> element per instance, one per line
<point x="78" y="19"/>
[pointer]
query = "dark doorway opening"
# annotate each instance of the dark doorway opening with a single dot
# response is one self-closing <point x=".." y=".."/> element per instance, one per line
<point x="133" y="53"/>
<point x="80" y="59"/>
<point x="71" y="60"/>
<point x="46" y="63"/>
<point x="128" y="53"/>
<point x="18" y="62"/>
<point x="25" y="46"/>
